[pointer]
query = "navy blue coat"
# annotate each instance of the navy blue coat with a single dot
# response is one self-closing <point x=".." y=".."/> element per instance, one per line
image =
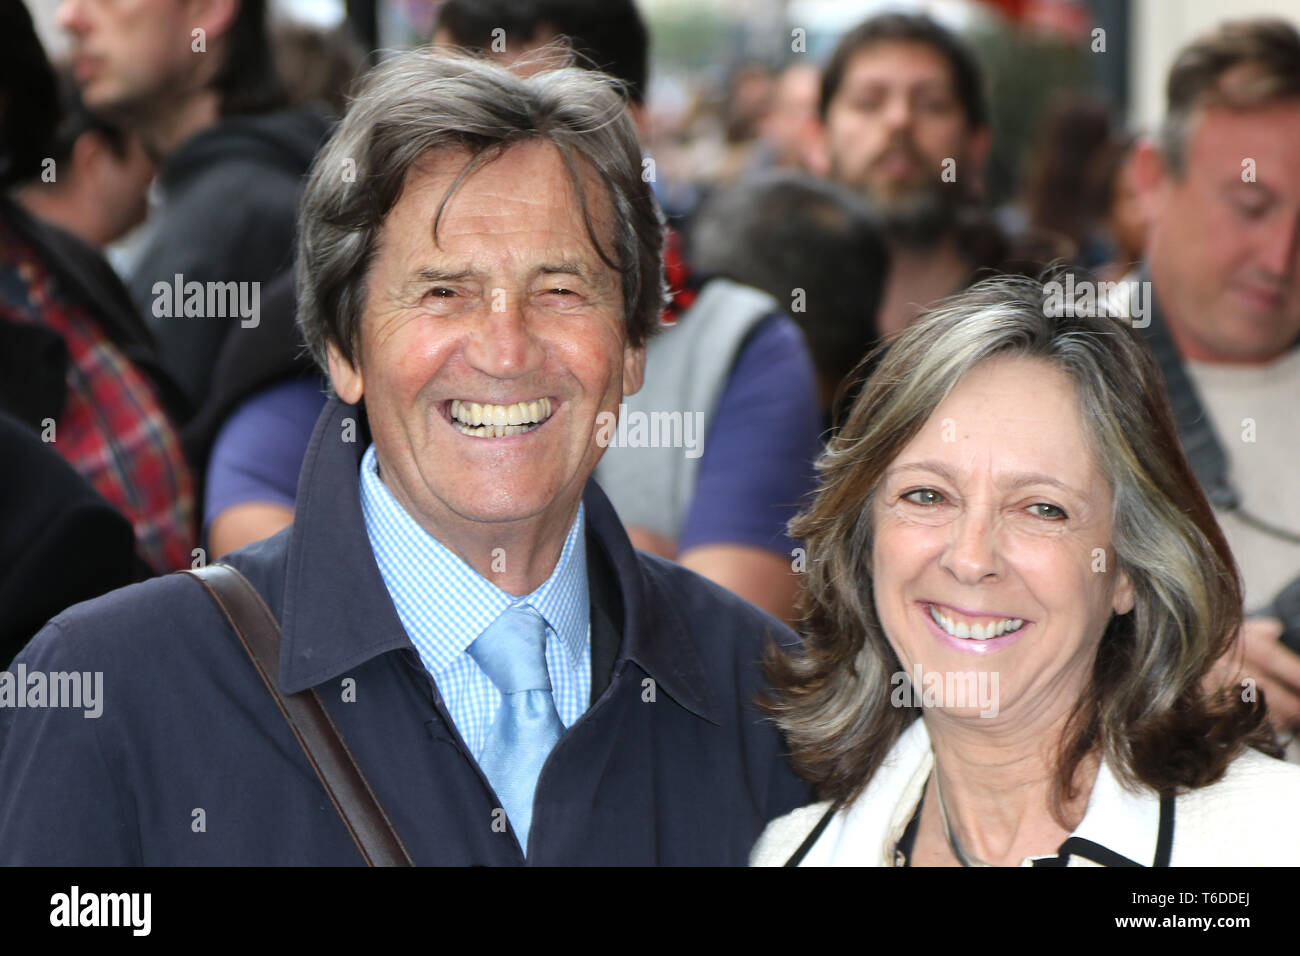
<point x="192" y="763"/>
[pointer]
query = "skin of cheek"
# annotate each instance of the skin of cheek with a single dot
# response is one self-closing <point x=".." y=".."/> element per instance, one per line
<point x="1046" y="562"/>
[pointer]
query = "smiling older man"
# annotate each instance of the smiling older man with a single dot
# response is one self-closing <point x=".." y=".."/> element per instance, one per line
<point x="479" y="267"/>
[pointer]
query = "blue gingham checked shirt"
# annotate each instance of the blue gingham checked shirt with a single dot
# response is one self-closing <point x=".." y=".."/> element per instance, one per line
<point x="444" y="604"/>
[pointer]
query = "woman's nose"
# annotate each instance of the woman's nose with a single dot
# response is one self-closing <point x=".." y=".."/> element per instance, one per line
<point x="971" y="555"/>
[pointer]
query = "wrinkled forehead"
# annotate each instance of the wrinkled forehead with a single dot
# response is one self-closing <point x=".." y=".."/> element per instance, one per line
<point x="525" y="172"/>
<point x="1008" y="417"/>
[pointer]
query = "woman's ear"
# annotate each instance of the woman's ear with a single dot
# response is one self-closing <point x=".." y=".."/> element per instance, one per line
<point x="1124" y="594"/>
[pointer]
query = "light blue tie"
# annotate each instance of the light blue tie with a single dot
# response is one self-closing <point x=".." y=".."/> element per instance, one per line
<point x="512" y="652"/>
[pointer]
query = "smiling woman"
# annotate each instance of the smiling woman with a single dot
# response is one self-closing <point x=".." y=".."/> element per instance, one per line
<point x="1007" y="509"/>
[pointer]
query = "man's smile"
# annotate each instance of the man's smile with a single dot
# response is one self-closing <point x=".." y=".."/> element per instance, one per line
<point x="488" y="420"/>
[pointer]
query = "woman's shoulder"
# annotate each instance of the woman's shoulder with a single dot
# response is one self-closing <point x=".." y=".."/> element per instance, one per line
<point x="785" y="834"/>
<point x="1250" y="817"/>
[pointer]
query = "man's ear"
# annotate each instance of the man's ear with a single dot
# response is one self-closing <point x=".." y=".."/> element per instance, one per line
<point x="816" y="150"/>
<point x="633" y="369"/>
<point x="214" y="17"/>
<point x="345" y="377"/>
<point x="1150" y="176"/>
<point x="978" y="148"/>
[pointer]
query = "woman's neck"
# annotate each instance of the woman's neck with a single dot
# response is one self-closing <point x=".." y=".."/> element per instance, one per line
<point x="996" y="785"/>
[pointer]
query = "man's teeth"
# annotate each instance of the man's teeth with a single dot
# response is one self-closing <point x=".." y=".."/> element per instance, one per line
<point x="498" y="421"/>
<point x="975" y="632"/>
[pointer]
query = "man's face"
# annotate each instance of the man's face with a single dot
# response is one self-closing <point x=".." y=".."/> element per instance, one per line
<point x="126" y="52"/>
<point x="893" y="122"/>
<point x="512" y="314"/>
<point x="1225" y="253"/>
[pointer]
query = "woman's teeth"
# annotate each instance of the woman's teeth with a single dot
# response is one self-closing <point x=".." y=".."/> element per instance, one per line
<point x="497" y="421"/>
<point x="975" y="632"/>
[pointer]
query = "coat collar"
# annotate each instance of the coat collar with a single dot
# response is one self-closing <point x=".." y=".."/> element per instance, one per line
<point x="337" y="613"/>
<point x="1119" y="826"/>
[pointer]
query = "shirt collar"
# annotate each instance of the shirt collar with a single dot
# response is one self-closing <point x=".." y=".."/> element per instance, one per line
<point x="444" y="620"/>
<point x="1119" y="820"/>
<point x="336" y="611"/>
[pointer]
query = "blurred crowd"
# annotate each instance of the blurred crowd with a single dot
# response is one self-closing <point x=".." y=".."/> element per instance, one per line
<point x="157" y="398"/>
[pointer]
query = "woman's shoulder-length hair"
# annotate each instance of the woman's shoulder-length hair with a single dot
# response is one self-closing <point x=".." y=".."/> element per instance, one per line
<point x="1146" y="708"/>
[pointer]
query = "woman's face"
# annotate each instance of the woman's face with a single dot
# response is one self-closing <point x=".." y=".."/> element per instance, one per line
<point x="992" y="550"/>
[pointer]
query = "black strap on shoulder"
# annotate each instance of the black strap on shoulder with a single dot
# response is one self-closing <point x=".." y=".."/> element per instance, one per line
<point x="1165" y="837"/>
<point x="1077" y="846"/>
<point x="327" y="752"/>
<point x="813" y="837"/>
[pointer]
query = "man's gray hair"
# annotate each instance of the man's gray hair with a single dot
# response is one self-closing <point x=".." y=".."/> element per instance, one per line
<point x="420" y="101"/>
<point x="1241" y="65"/>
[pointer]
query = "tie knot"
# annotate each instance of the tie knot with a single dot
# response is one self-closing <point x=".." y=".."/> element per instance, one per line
<point x="512" y="651"/>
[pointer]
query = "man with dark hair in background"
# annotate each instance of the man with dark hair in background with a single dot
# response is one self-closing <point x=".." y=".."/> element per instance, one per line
<point x="195" y="79"/>
<point x="1223" y="261"/>
<point x="905" y="123"/>
<point x="98" y="184"/>
<point x="788" y="233"/>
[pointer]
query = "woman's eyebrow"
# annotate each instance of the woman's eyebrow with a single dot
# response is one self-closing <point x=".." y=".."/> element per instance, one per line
<point x="1008" y="480"/>
<point x="939" y="468"/>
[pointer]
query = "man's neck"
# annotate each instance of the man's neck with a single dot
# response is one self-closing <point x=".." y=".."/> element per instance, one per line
<point x="163" y="132"/>
<point x="62" y="206"/>
<point x="516" y="556"/>
<point x="917" y="277"/>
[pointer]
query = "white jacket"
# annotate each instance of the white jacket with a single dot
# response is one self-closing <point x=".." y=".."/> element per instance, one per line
<point x="1250" y="817"/>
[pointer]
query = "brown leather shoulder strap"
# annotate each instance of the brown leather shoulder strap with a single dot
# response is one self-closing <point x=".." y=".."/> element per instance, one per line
<point x="326" y="750"/>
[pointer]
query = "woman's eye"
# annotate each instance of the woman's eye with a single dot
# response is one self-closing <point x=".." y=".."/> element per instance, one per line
<point x="1043" y="510"/>
<point x="924" y="496"/>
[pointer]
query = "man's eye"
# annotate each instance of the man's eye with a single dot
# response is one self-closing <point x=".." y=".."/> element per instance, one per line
<point x="935" y="104"/>
<point x="441" y="292"/>
<point x="1051" y="512"/>
<point x="924" y="496"/>
<point x="1251" y="208"/>
<point x="561" y="291"/>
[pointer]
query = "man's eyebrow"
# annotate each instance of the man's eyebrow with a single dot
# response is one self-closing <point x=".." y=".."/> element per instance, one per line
<point x="434" y="274"/>
<point x="1238" y="186"/>
<point x="571" y="267"/>
<point x="1009" y="480"/>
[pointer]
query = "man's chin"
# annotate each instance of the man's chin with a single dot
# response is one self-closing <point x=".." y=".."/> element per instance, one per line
<point x="917" y="220"/>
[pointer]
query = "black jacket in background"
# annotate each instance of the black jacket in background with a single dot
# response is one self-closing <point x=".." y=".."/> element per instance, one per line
<point x="247" y="363"/>
<point x="34" y="359"/>
<point x="229" y="213"/>
<point x="60" y="542"/>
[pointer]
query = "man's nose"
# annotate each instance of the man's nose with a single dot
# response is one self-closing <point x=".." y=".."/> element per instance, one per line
<point x="971" y="554"/>
<point x="1280" y="250"/>
<point x="503" y="344"/>
<point x="69" y="15"/>
<point x="898" y="112"/>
